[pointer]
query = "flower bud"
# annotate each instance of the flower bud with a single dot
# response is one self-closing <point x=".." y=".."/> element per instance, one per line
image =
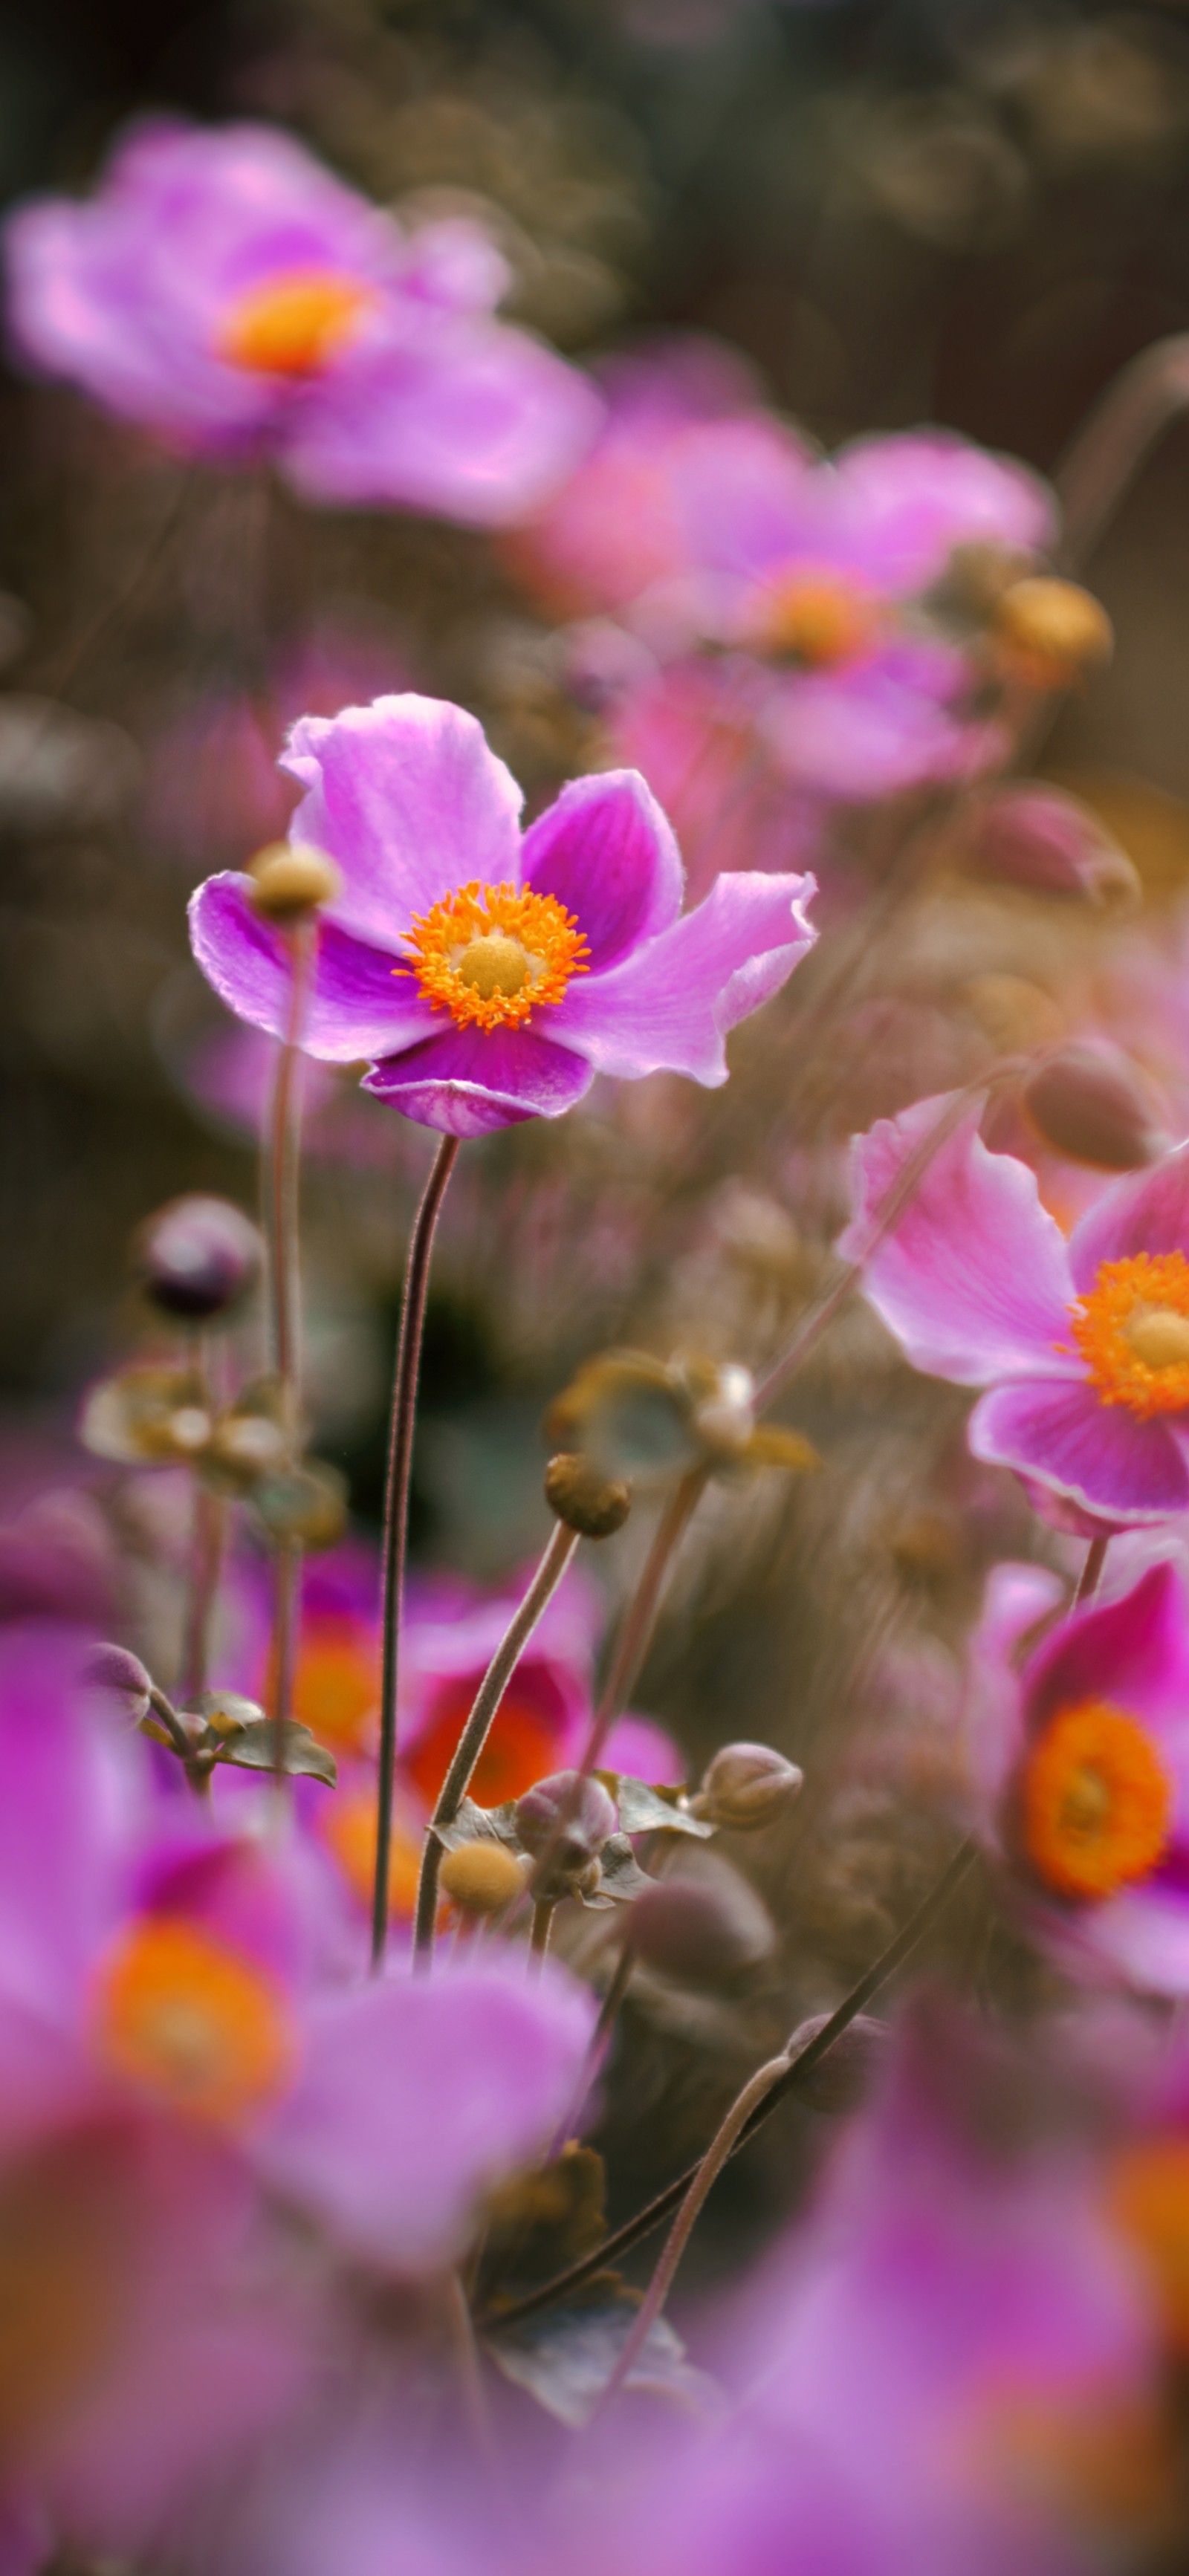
<point x="1094" y="1108"/>
<point x="113" y="1668"/>
<point x="291" y="880"/>
<point x="569" y="1819"/>
<point x="197" y="1257"/>
<point x="1039" y="837"/>
<point x="746" y="1785"/>
<point x="1051" y="633"/>
<point x="482" y="1877"/>
<point x="701" y="1929"/>
<point x="308" y="1504"/>
<point x="840" y="2079"/>
<point x="585" y="1500"/>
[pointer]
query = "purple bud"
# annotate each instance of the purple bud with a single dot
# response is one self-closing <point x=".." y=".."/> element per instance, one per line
<point x="840" y="2079"/>
<point x="1095" y="1107"/>
<point x="197" y="1257"/>
<point x="747" y="1785"/>
<point x="1036" y="836"/>
<point x="113" y="1668"/>
<point x="701" y="1929"/>
<point x="568" y="1816"/>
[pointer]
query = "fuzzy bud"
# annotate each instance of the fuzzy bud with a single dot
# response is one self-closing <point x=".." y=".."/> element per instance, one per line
<point x="583" y="1498"/>
<point x="1052" y="633"/>
<point x="1094" y="1108"/>
<point x="482" y="1877"/>
<point x="291" y="880"/>
<point x="113" y="1668"/>
<point x="746" y="1785"/>
<point x="1037" y="836"/>
<point x="701" y="1930"/>
<point x="197" y="1258"/>
<point x="840" y="2079"/>
<point x="569" y="1818"/>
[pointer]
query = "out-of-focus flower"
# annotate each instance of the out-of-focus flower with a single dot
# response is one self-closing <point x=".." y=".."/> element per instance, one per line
<point x="1084" y="1346"/>
<point x="648" y="1419"/>
<point x="1036" y="836"/>
<point x="566" y="957"/>
<point x="229" y="293"/>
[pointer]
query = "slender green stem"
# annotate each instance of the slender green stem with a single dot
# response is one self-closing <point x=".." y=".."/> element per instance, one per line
<point x="469" y="1748"/>
<point x="1091" y="1574"/>
<point x="396" y="1513"/>
<point x="283" y="1201"/>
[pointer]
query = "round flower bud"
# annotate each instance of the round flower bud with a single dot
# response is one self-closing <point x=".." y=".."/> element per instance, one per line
<point x="113" y="1668"/>
<point x="701" y="1930"/>
<point x="1094" y="1108"/>
<point x="1039" y="837"/>
<point x="583" y="1498"/>
<point x="197" y="1257"/>
<point x="840" y="2079"/>
<point x="290" y="880"/>
<point x="482" y="1877"/>
<point x="746" y="1785"/>
<point x="1051" y="632"/>
<point x="569" y="1818"/>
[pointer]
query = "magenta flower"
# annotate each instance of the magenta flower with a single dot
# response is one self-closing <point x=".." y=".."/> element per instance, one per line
<point x="231" y="295"/>
<point x="489" y="980"/>
<point x="1083" y="1761"/>
<point x="1084" y="1346"/>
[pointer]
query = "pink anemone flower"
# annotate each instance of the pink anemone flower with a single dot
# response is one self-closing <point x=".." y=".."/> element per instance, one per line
<point x="1083" y="1345"/>
<point x="231" y="295"/>
<point x="488" y="979"/>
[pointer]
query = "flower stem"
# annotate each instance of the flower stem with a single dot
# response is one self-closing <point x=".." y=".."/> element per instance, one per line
<point x="543" y="1913"/>
<point x="635" y="1635"/>
<point x="283" y="1213"/>
<point x="1091" y="1574"/>
<point x="206" y="1565"/>
<point x="478" y="1726"/>
<point x="396" y="1512"/>
<point x="1105" y="457"/>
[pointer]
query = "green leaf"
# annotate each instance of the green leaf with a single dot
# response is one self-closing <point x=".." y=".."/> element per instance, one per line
<point x="620" y="1876"/>
<point x="475" y="1824"/>
<point x="645" y="1810"/>
<point x="226" y="1712"/>
<point x="255" y="1749"/>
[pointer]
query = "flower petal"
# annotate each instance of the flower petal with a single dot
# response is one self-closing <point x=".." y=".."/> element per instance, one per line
<point x="1118" y="1469"/>
<point x="973" y="1278"/>
<point x="1134" y="1651"/>
<point x="1147" y="1211"/>
<point x="608" y="853"/>
<point x="408" y="801"/>
<point x="468" y="1081"/>
<point x="359" y="1005"/>
<point x="669" y="1006"/>
<point x="1143" y="1934"/>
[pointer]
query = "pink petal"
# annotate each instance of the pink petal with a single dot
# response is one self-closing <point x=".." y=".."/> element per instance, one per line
<point x="1119" y="1469"/>
<point x="1148" y="1211"/>
<point x="670" y="1005"/>
<point x="468" y="1081"/>
<point x="408" y="801"/>
<point x="1142" y="1934"/>
<point x="359" y="1005"/>
<point x="973" y="1279"/>
<point x="607" y="852"/>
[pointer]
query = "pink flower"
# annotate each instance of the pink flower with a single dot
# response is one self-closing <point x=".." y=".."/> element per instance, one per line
<point x="230" y="294"/>
<point x="1084" y="1346"/>
<point x="489" y="980"/>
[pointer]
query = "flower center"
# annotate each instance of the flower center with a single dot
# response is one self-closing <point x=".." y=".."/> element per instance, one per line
<point x="295" y="323"/>
<point x="813" y="618"/>
<point x="1133" y="1332"/>
<point x="349" y="1830"/>
<point x="182" y="2017"/>
<point x="490" y="954"/>
<point x="336" y="1685"/>
<point x="1097" y="1801"/>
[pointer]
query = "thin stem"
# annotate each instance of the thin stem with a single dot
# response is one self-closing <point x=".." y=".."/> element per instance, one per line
<point x="286" y="1613"/>
<point x="469" y="1748"/>
<point x="206" y="1565"/>
<point x="1091" y="1575"/>
<point x="283" y="1206"/>
<point x="396" y="1512"/>
<point x="1105" y="457"/>
<point x="543" y="1913"/>
<point x="655" y="2211"/>
<point x="470" y="2373"/>
<point x="635" y="1635"/>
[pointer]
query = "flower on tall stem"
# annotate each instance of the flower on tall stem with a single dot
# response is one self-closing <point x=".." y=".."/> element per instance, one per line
<point x="1083" y="1345"/>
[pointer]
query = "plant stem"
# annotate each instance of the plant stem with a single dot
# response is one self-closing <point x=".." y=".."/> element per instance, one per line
<point x="469" y="1748"/>
<point x="286" y="1614"/>
<point x="635" y="1635"/>
<point x="655" y="2211"/>
<point x="396" y="1512"/>
<point x="1105" y="457"/>
<point x="543" y="1913"/>
<point x="283" y="1205"/>
<point x="1091" y="1574"/>
<point x="470" y="2373"/>
<point x="206" y="1563"/>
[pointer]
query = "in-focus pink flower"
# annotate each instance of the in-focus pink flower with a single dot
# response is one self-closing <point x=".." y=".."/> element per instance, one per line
<point x="226" y="291"/>
<point x="1084" y="1346"/>
<point x="489" y="979"/>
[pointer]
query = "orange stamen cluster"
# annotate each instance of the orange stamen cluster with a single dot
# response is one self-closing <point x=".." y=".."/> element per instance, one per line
<point x="295" y="323"/>
<point x="1149" y="2202"/>
<point x="491" y="955"/>
<point x="1133" y="1333"/>
<point x="1096" y="1801"/>
<point x="336" y="1687"/>
<point x="192" y="2022"/>
<point x="816" y="619"/>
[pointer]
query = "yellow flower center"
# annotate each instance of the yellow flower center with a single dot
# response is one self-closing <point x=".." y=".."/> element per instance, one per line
<point x="1133" y="1332"/>
<point x="1149" y="2202"/>
<point x="813" y="618"/>
<point x="179" y="2015"/>
<point x="490" y="955"/>
<point x="295" y="323"/>
<point x="1097" y="1801"/>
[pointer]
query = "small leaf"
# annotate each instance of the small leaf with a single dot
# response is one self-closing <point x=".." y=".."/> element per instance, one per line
<point x="255" y="1749"/>
<point x="645" y="1810"/>
<point x="565" y="2357"/>
<point x="226" y="1712"/>
<point x="475" y="1824"/>
<point x="620" y="1876"/>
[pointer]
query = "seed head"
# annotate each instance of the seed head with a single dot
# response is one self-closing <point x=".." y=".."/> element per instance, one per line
<point x="584" y="1499"/>
<point x="482" y="1877"/>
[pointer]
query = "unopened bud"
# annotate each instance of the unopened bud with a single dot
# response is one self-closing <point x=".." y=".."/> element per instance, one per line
<point x="701" y="1930"/>
<point x="289" y="880"/>
<point x="113" y="1668"/>
<point x="1039" y="837"/>
<point x="1052" y="633"/>
<point x="197" y="1257"/>
<point x="1094" y="1108"/>
<point x="568" y="1818"/>
<point x="481" y="1877"/>
<point x="840" y="2078"/>
<point x="584" y="1498"/>
<point x="746" y="1786"/>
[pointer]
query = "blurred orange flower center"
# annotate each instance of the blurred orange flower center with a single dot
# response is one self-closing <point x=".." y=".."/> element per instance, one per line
<point x="521" y="1748"/>
<point x="349" y="1830"/>
<point x="295" y="323"/>
<point x="181" y="2016"/>
<point x="491" y="954"/>
<point x="1149" y="2202"/>
<point x="1133" y="1332"/>
<point x="816" y="618"/>
<point x="336" y="1686"/>
<point x="1097" y="1801"/>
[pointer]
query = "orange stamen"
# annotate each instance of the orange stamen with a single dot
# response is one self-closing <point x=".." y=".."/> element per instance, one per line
<point x="491" y="955"/>
<point x="181" y="2016"/>
<point x="295" y="323"/>
<point x="1097" y="1801"/>
<point x="521" y="1748"/>
<point x="1133" y="1333"/>
<point x="813" y="618"/>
